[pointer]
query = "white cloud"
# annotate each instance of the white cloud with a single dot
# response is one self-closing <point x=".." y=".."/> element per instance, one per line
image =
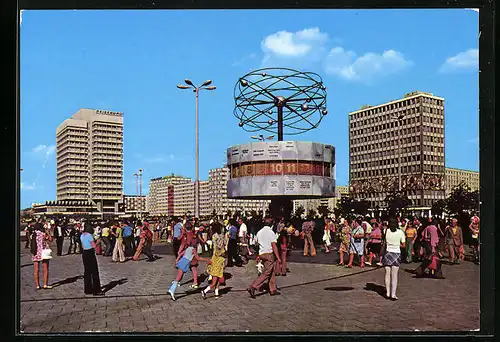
<point x="347" y="65"/>
<point x="308" y="48"/>
<point x="27" y="186"/>
<point x="474" y="140"/>
<point x="300" y="43"/>
<point x="298" y="49"/>
<point x="467" y="60"/>
<point x="473" y="9"/>
<point x="20" y="17"/>
<point x="44" y="149"/>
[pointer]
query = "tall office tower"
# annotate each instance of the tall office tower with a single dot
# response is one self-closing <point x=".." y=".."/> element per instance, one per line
<point x="398" y="145"/>
<point x="90" y="158"/>
<point x="161" y="194"/>
<point x="456" y="176"/>
<point x="219" y="202"/>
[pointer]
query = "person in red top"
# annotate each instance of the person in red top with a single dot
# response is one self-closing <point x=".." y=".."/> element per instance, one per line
<point x="374" y="242"/>
<point x="282" y="244"/>
<point x="148" y="241"/>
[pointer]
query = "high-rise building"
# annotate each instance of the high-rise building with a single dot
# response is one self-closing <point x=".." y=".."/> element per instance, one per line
<point x="456" y="176"/>
<point x="403" y="139"/>
<point x="90" y="158"/>
<point x="183" y="195"/>
<point x="161" y="194"/>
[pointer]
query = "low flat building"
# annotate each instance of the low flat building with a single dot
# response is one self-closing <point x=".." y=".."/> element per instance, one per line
<point x="456" y="176"/>
<point x="134" y="204"/>
<point x="66" y="208"/>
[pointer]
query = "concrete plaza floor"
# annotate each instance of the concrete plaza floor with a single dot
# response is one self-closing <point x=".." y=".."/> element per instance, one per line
<point x="317" y="296"/>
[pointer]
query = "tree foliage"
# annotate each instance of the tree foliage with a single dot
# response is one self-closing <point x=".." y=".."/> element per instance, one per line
<point x="311" y="214"/>
<point x="361" y="207"/>
<point x="462" y="200"/>
<point x="438" y="207"/>
<point x="397" y="201"/>
<point x="348" y="206"/>
<point x="299" y="211"/>
<point x="344" y="206"/>
<point x="323" y="210"/>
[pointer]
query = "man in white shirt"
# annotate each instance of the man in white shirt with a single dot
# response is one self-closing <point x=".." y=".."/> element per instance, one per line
<point x="243" y="235"/>
<point x="268" y="254"/>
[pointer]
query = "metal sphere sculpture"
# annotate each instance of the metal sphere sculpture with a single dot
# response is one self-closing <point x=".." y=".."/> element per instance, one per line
<point x="280" y="101"/>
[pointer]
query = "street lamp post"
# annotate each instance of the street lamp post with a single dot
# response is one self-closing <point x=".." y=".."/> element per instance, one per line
<point x="136" y="175"/>
<point x="138" y="183"/>
<point x="205" y="86"/>
<point x="140" y="193"/>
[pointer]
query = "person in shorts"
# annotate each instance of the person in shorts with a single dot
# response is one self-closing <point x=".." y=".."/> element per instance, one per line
<point x="183" y="263"/>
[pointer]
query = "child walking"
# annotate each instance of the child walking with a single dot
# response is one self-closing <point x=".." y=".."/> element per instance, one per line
<point x="183" y="264"/>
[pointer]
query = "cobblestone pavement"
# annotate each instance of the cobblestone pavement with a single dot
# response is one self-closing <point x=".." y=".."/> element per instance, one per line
<point x="316" y="296"/>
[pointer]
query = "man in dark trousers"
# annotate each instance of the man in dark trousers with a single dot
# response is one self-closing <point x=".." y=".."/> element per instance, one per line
<point x="148" y="242"/>
<point x="59" y="235"/>
<point x="72" y="240"/>
<point x="232" y="247"/>
<point x="128" y="240"/>
<point x="29" y="231"/>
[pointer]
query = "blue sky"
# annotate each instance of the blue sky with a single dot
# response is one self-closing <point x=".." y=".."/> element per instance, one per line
<point x="131" y="61"/>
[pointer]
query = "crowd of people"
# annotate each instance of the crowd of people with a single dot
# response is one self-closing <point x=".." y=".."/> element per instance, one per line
<point x="359" y="241"/>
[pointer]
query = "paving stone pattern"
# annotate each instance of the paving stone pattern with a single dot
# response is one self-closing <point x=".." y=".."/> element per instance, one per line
<point x="317" y="296"/>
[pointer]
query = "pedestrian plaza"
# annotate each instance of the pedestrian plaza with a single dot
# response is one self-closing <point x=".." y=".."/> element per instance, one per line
<point x="317" y="296"/>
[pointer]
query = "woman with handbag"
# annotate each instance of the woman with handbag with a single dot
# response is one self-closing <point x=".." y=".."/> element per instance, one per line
<point x="357" y="243"/>
<point x="41" y="253"/>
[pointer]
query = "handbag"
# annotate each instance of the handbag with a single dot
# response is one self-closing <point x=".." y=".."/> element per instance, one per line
<point x="199" y="249"/>
<point x="46" y="254"/>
